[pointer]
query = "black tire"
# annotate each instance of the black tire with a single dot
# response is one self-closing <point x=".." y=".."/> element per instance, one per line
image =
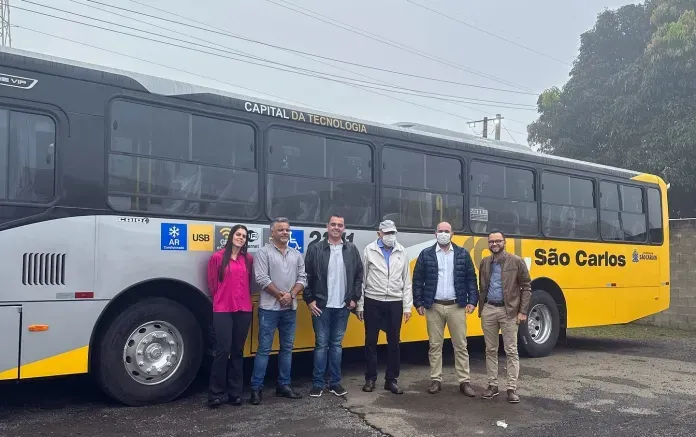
<point x="527" y="345"/>
<point x="111" y="371"/>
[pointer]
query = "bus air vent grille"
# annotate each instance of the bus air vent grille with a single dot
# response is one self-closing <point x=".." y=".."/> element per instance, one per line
<point x="43" y="269"/>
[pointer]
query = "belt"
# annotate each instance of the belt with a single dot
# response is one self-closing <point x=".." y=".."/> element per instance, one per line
<point x="495" y="304"/>
<point x="445" y="302"/>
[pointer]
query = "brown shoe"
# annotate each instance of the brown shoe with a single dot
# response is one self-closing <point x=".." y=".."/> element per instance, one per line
<point x="490" y="392"/>
<point x="465" y="388"/>
<point x="512" y="396"/>
<point x="435" y="386"/>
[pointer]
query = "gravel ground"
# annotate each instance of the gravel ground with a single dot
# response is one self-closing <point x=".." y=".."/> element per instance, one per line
<point x="619" y="381"/>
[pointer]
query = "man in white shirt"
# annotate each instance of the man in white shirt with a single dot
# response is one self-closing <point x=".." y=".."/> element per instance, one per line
<point x="386" y="297"/>
<point x="445" y="291"/>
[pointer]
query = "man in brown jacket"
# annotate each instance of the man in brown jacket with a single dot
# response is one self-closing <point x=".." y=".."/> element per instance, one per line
<point x="505" y="290"/>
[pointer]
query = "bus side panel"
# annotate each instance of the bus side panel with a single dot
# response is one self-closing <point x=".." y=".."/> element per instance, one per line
<point x="10" y="317"/>
<point x="47" y="261"/>
<point x="129" y="252"/>
<point x="62" y="349"/>
<point x="664" y="253"/>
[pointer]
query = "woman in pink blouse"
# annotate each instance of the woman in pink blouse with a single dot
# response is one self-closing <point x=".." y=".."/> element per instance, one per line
<point x="229" y="282"/>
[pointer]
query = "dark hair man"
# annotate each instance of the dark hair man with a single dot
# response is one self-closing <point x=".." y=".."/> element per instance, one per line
<point x="506" y="289"/>
<point x="334" y="286"/>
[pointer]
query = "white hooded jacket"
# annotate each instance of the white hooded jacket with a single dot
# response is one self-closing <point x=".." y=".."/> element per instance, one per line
<point x="380" y="283"/>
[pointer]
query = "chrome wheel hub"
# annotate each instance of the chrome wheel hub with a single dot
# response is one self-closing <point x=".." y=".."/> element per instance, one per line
<point x="153" y="352"/>
<point x="539" y="323"/>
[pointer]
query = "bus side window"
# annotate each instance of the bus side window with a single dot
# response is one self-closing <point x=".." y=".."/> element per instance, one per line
<point x="167" y="161"/>
<point x="27" y="164"/>
<point x="311" y="177"/>
<point x="421" y="190"/>
<point x="611" y="226"/>
<point x="4" y="148"/>
<point x="655" y="216"/>
<point x="504" y="198"/>
<point x="568" y="207"/>
<point x="633" y="213"/>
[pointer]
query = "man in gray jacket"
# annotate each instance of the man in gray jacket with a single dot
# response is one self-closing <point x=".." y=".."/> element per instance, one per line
<point x="386" y="297"/>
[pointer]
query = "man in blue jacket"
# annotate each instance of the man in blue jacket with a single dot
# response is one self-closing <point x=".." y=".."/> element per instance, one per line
<point x="445" y="291"/>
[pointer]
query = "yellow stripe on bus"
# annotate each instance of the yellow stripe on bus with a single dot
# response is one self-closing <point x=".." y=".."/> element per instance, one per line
<point x="8" y="374"/>
<point x="648" y="178"/>
<point x="67" y="363"/>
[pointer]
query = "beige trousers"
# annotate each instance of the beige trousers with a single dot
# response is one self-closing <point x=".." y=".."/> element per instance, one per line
<point x="493" y="319"/>
<point x="455" y="318"/>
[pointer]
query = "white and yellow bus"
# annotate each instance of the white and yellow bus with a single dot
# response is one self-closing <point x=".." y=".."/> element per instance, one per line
<point x="116" y="188"/>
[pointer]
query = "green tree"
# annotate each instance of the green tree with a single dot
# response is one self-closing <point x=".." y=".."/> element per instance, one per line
<point x="631" y="97"/>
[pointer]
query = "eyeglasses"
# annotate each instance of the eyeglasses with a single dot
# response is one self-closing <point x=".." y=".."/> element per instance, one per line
<point x="495" y="241"/>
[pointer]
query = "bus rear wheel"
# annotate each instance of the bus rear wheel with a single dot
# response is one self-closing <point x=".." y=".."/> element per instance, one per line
<point x="150" y="353"/>
<point x="538" y="335"/>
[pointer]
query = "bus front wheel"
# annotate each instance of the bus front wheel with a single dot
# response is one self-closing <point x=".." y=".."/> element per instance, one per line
<point x="538" y="335"/>
<point x="150" y="353"/>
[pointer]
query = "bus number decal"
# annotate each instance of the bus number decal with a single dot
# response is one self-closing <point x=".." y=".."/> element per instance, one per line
<point x="316" y="236"/>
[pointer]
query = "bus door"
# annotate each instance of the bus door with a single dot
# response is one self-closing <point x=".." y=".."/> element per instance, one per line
<point x="10" y="319"/>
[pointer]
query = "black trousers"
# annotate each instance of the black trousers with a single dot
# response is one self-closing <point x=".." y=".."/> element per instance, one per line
<point x="384" y="316"/>
<point x="226" y="375"/>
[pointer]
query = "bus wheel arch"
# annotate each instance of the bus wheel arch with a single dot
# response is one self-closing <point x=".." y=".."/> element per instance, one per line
<point x="157" y="307"/>
<point x="546" y="319"/>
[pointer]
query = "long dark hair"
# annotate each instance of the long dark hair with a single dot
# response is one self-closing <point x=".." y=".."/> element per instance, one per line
<point x="228" y="249"/>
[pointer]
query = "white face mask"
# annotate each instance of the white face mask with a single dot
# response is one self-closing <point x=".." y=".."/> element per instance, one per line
<point x="389" y="240"/>
<point x="443" y="238"/>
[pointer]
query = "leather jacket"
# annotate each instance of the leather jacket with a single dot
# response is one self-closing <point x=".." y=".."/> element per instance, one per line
<point x="317" y="269"/>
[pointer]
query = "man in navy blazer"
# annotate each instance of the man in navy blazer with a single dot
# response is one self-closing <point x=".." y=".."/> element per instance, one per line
<point x="445" y="290"/>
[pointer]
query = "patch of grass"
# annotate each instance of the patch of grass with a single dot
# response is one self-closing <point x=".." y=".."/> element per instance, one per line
<point x="630" y="331"/>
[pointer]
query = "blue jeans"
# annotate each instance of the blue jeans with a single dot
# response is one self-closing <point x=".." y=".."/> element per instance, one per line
<point x="269" y="321"/>
<point x="329" y="328"/>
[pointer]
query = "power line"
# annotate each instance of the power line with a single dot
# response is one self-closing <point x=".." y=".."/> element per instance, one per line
<point x="330" y="65"/>
<point x="392" y="43"/>
<point x="321" y="62"/>
<point x="301" y="54"/>
<point x="219" y="31"/>
<point x="301" y="71"/>
<point x="166" y="66"/>
<point x="218" y="80"/>
<point x="487" y="32"/>
<point x="508" y="131"/>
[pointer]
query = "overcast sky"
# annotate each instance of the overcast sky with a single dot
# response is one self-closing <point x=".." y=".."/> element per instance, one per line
<point x="552" y="27"/>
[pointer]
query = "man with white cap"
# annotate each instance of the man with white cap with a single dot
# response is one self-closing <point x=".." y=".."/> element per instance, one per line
<point x="386" y="298"/>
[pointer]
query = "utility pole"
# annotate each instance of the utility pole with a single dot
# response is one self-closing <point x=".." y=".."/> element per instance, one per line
<point x="5" y="34"/>
<point x="497" y="122"/>
<point x="498" y="119"/>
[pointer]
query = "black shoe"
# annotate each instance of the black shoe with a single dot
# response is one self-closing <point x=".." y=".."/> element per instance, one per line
<point x="316" y="391"/>
<point x="287" y="392"/>
<point x="369" y="386"/>
<point x="236" y="401"/>
<point x="255" y="397"/>
<point x="338" y="390"/>
<point x="393" y="387"/>
<point x="214" y="403"/>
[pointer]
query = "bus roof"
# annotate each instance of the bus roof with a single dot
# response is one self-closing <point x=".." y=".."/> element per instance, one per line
<point x="49" y="64"/>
